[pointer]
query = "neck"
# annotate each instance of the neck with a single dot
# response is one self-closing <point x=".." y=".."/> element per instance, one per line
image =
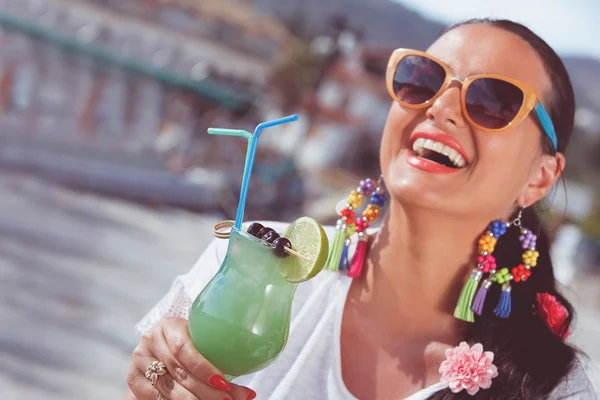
<point x="417" y="265"/>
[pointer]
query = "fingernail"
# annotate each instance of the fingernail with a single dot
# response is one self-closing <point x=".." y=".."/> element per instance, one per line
<point x="251" y="394"/>
<point x="218" y="382"/>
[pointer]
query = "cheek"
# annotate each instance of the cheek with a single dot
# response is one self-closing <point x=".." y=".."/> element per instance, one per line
<point x="399" y="125"/>
<point x="496" y="183"/>
<point x="504" y="167"/>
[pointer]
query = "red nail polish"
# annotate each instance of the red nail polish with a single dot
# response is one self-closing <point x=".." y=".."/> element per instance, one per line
<point x="218" y="382"/>
<point x="251" y="394"/>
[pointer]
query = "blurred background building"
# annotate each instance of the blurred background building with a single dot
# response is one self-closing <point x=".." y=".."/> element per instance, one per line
<point x="110" y="183"/>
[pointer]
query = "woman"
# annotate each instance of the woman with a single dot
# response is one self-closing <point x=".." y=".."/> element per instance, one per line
<point x="385" y="335"/>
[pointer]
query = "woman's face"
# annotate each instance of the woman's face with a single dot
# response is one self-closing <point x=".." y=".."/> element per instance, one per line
<point x="503" y="169"/>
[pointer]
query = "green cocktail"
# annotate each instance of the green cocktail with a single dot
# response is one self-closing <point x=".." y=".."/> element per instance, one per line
<point x="240" y="321"/>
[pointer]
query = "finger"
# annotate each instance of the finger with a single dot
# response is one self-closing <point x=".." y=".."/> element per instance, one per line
<point x="141" y="388"/>
<point x="181" y="347"/>
<point x="241" y="393"/>
<point x="129" y="395"/>
<point x="165" y="388"/>
<point x="173" y="390"/>
<point x="216" y="388"/>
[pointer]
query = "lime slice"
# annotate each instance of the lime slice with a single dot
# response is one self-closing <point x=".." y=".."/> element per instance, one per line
<point x="310" y="240"/>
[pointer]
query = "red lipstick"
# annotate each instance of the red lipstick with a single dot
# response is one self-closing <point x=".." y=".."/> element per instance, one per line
<point x="428" y="166"/>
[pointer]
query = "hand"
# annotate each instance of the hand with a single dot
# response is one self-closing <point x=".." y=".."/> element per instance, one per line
<point x="189" y="376"/>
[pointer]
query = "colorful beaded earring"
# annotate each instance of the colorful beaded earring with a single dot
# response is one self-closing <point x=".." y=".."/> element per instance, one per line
<point x="347" y="226"/>
<point x="472" y="300"/>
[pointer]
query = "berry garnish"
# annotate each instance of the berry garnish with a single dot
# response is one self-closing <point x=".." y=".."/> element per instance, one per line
<point x="264" y="231"/>
<point x="270" y="237"/>
<point x="254" y="229"/>
<point x="280" y="244"/>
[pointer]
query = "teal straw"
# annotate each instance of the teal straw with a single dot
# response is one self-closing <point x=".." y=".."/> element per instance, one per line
<point x="250" y="155"/>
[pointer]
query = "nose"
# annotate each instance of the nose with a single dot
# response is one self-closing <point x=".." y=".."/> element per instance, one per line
<point x="446" y="108"/>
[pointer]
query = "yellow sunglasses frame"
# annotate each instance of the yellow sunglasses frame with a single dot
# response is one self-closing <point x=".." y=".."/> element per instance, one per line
<point x="530" y="99"/>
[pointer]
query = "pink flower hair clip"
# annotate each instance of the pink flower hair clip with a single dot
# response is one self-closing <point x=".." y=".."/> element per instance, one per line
<point x="553" y="313"/>
<point x="468" y="368"/>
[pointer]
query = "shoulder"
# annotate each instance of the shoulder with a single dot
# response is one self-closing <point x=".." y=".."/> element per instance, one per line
<point x="578" y="383"/>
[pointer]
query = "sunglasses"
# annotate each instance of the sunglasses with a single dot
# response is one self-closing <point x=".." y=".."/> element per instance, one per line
<point x="491" y="103"/>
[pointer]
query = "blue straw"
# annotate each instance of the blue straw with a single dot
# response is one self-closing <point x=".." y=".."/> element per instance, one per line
<point x="250" y="155"/>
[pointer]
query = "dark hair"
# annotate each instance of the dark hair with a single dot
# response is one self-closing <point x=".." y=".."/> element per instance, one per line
<point x="531" y="360"/>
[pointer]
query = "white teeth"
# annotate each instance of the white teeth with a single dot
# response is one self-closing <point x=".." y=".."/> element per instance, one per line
<point x="452" y="155"/>
<point x="419" y="146"/>
<point x="455" y="157"/>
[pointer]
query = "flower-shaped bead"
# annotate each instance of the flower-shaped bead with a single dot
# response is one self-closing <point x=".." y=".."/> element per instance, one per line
<point x="530" y="258"/>
<point x="502" y="276"/>
<point x="487" y="243"/>
<point x="367" y="186"/>
<point x="488" y="263"/>
<point x="355" y="199"/>
<point x="350" y="221"/>
<point x="372" y="212"/>
<point x="359" y="200"/>
<point x="352" y="196"/>
<point x="520" y="273"/>
<point x="349" y="214"/>
<point x="361" y="225"/>
<point x="468" y="368"/>
<point x="528" y="239"/>
<point x="378" y="199"/>
<point x="498" y="228"/>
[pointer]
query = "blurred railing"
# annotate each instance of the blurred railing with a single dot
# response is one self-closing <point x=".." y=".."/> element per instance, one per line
<point x="204" y="88"/>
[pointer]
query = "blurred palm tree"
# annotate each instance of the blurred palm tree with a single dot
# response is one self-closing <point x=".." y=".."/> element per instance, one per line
<point x="294" y="78"/>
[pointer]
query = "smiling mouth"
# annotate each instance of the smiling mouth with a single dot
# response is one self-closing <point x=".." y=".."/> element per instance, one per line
<point x="438" y="153"/>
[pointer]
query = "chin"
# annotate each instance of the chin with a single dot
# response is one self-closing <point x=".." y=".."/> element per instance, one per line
<point x="410" y="186"/>
<point x="408" y="193"/>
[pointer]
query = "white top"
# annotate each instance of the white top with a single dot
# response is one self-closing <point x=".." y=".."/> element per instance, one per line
<point x="309" y="368"/>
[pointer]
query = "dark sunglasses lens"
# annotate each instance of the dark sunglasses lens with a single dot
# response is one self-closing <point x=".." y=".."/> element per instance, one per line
<point x="493" y="103"/>
<point x="417" y="79"/>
